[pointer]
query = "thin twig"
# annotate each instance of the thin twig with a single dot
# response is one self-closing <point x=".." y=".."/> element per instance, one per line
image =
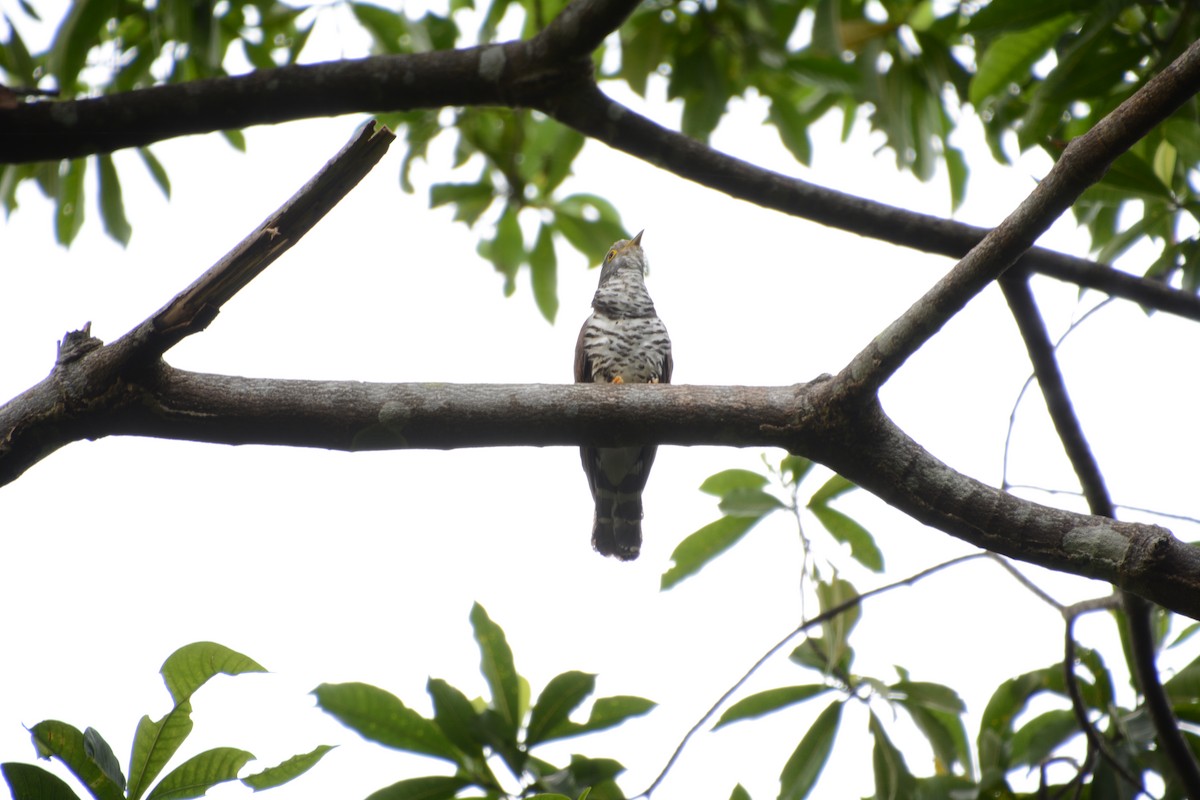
<point x="1012" y="416"/>
<point x="1024" y="581"/>
<point x="824" y="616"/>
<point x="1076" y="493"/>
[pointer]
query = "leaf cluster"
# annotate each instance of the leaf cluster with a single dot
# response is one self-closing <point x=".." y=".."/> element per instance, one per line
<point x="1038" y="75"/>
<point x="117" y="46"/>
<point x="472" y="734"/>
<point x="92" y="761"/>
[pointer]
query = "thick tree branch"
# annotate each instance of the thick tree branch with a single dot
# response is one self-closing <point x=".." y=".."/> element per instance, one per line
<point x="812" y="419"/>
<point x="1138" y="613"/>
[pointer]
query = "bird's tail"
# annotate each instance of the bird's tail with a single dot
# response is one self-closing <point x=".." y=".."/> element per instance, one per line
<point x="617" y="530"/>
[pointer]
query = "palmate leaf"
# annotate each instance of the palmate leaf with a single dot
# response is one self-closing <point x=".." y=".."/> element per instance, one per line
<point x="153" y="745"/>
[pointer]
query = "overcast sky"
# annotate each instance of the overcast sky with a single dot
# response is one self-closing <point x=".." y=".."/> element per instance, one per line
<point x="337" y="567"/>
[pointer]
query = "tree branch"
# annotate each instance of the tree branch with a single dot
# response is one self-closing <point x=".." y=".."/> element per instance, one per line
<point x="1138" y="612"/>
<point x="1083" y="162"/>
<point x="592" y="113"/>
<point x="551" y="72"/>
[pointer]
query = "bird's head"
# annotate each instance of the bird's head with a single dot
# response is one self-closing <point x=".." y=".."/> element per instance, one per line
<point x="625" y="254"/>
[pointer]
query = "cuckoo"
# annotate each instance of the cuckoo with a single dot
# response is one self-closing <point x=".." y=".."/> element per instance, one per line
<point x="623" y="341"/>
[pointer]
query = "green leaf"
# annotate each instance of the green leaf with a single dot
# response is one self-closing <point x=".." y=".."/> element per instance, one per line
<point x="285" y="771"/>
<point x="739" y="793"/>
<point x="1184" y="686"/>
<point x="191" y="666"/>
<point x="507" y="250"/>
<point x="1003" y="15"/>
<point x="937" y="711"/>
<point x="836" y="630"/>
<point x="589" y="223"/>
<point x="80" y="31"/>
<point x="562" y="695"/>
<point x="543" y="266"/>
<point x="929" y="695"/>
<point x="29" y="782"/>
<point x="381" y="717"/>
<point x="1132" y="174"/>
<point x="153" y="745"/>
<point x="746" y="502"/>
<point x="200" y="773"/>
<point x="236" y="139"/>
<point x="957" y="172"/>
<point x="793" y="129"/>
<point x="432" y="787"/>
<point x="1009" y="58"/>
<point x="454" y="714"/>
<point x="804" y="767"/>
<point x="607" y="712"/>
<point x="68" y="218"/>
<point x="99" y="751"/>
<point x="66" y="743"/>
<point x="471" y="199"/>
<point x="388" y="28"/>
<point x="862" y="545"/>
<point x="768" y="702"/>
<point x="112" y="203"/>
<point x="156" y="171"/>
<point x="1009" y="699"/>
<point x="725" y="482"/>
<point x="1037" y="739"/>
<point x="496" y="663"/>
<point x="1185" y="634"/>
<point x="832" y="488"/>
<point x="701" y="547"/>
<point x="893" y="781"/>
<point x="794" y="468"/>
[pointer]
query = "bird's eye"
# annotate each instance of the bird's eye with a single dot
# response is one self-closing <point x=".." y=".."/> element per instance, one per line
<point x="611" y="255"/>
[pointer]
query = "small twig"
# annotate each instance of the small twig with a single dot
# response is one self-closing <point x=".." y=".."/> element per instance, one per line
<point x="824" y="616"/>
<point x="1012" y="416"/>
<point x="1024" y="581"/>
<point x="1076" y="493"/>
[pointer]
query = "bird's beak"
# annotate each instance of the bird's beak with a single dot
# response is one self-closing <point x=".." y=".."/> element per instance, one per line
<point x="637" y="239"/>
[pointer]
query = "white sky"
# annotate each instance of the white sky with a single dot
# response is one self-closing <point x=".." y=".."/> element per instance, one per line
<point x="337" y="567"/>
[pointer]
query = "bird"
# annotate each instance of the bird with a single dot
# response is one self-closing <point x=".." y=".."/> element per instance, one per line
<point x="623" y="341"/>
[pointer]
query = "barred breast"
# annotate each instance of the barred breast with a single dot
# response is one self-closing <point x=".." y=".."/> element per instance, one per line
<point x="633" y="349"/>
